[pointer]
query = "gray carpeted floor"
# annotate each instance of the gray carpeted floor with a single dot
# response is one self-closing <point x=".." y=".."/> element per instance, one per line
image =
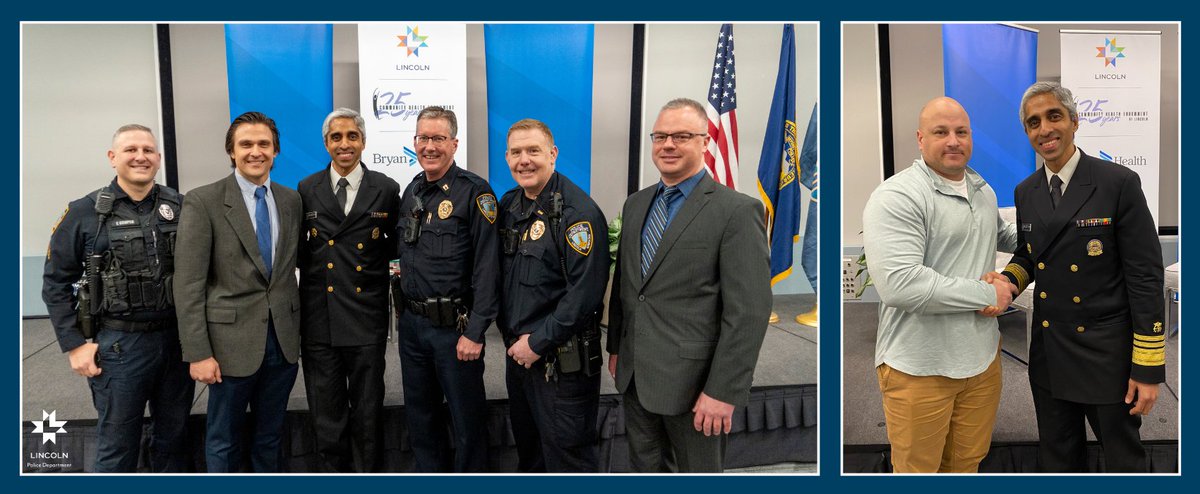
<point x="788" y="356"/>
<point x="862" y="412"/>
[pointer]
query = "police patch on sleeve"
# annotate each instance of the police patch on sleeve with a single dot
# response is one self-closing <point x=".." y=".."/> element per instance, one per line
<point x="487" y="206"/>
<point x="55" y="228"/>
<point x="579" y="236"/>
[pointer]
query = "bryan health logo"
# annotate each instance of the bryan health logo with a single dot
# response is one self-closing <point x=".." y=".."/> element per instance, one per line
<point x="413" y="41"/>
<point x="49" y="427"/>
<point x="1110" y="52"/>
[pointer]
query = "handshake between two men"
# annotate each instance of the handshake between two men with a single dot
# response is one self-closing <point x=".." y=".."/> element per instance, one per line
<point x="1005" y="293"/>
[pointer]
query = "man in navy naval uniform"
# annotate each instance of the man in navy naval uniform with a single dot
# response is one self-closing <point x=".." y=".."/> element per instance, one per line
<point x="449" y="267"/>
<point x="347" y="238"/>
<point x="1087" y="238"/>
<point x="555" y="262"/>
<point x="134" y="356"/>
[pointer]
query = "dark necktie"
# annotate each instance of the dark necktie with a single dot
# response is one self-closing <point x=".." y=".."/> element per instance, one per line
<point x="341" y="193"/>
<point x="262" y="222"/>
<point x="1055" y="191"/>
<point x="656" y="224"/>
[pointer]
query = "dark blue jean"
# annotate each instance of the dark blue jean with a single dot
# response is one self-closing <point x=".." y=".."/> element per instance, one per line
<point x="139" y="368"/>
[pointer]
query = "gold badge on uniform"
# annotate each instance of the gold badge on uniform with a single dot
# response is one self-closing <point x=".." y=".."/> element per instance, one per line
<point x="536" y="231"/>
<point x="579" y="236"/>
<point x="1094" y="247"/>
<point x="1158" y="327"/>
<point x="1029" y="247"/>
<point x="445" y="208"/>
<point x="313" y="233"/>
<point x="375" y="234"/>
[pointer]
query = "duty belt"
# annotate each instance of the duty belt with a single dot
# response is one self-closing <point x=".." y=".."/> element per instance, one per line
<point x="137" y="326"/>
<point x="441" y="311"/>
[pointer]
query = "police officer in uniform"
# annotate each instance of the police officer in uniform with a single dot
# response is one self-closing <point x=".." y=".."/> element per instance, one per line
<point x="348" y="237"/>
<point x="555" y="266"/>
<point x="108" y="278"/>
<point x="1087" y="238"/>
<point x="447" y="292"/>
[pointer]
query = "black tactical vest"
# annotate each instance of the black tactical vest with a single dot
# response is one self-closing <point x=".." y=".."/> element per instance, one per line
<point x="139" y="264"/>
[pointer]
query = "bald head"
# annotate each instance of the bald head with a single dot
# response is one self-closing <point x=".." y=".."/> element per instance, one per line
<point x="944" y="137"/>
<point x="942" y="105"/>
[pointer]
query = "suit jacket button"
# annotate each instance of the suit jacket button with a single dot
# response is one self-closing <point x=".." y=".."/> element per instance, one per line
<point x="330" y="289"/>
<point x="1076" y="299"/>
<point x="358" y="268"/>
<point x="1074" y="268"/>
<point x="641" y="298"/>
<point x="360" y="246"/>
<point x="330" y="265"/>
<point x="1043" y="295"/>
<point x="1041" y="265"/>
<point x="331" y="241"/>
<point x="357" y="289"/>
<point x="1079" y="329"/>
<point x="1045" y="324"/>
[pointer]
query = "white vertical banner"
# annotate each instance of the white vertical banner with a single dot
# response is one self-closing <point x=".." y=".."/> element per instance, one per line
<point x="403" y="68"/>
<point x="1116" y="81"/>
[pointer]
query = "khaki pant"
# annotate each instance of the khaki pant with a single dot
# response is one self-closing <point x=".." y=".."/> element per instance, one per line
<point x="939" y="424"/>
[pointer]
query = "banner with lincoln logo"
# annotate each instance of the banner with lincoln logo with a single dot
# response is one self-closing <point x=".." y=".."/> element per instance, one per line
<point x="403" y="68"/>
<point x="1116" y="79"/>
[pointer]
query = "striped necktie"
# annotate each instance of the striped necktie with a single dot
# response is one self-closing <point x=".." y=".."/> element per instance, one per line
<point x="656" y="224"/>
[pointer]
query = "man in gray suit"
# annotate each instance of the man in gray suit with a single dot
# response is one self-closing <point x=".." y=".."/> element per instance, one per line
<point x="236" y="296"/>
<point x="690" y="302"/>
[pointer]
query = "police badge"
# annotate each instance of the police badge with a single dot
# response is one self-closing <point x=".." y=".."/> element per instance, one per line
<point x="1094" y="247"/>
<point x="536" y="231"/>
<point x="166" y="212"/>
<point x="375" y="234"/>
<point x="444" y="209"/>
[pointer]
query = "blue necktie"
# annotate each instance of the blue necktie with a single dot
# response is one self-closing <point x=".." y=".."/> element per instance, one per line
<point x="656" y="223"/>
<point x="262" y="222"/>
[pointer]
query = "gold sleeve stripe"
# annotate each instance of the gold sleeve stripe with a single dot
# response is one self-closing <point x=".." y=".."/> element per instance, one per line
<point x="1020" y="274"/>
<point x="1149" y="338"/>
<point x="1138" y="344"/>
<point x="1149" y="358"/>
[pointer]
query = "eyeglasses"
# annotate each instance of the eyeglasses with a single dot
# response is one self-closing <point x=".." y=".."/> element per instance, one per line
<point x="678" y="137"/>
<point x="426" y="139"/>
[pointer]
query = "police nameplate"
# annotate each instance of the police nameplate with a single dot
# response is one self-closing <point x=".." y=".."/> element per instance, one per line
<point x="487" y="206"/>
<point x="580" y="237"/>
<point x="311" y="215"/>
<point x="445" y="208"/>
<point x="1027" y="227"/>
<point x="166" y="212"/>
<point x="536" y="231"/>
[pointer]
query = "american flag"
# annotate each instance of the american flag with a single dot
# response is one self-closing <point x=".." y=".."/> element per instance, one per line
<point x="721" y="157"/>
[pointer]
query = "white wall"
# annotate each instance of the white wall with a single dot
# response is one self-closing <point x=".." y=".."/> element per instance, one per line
<point x="862" y="149"/>
<point x="79" y="84"/>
